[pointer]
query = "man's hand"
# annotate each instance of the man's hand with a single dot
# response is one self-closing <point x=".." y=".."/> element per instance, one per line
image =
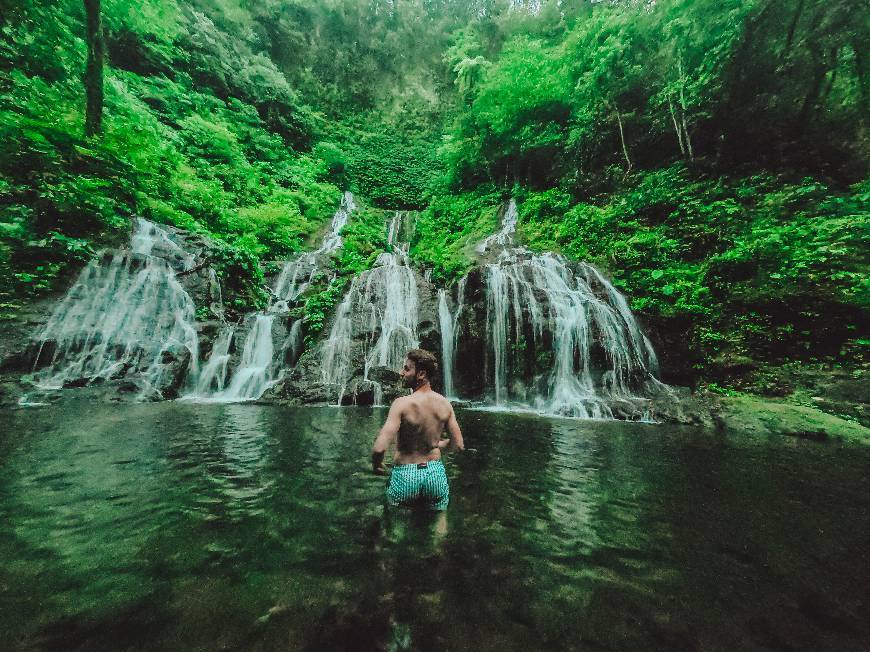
<point x="378" y="463"/>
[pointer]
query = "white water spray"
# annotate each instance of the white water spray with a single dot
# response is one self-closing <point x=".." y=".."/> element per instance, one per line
<point x="127" y="316"/>
<point x="449" y="326"/>
<point x="213" y="376"/>
<point x="600" y="358"/>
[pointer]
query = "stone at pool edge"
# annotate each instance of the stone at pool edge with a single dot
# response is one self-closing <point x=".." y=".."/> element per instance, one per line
<point x="753" y="416"/>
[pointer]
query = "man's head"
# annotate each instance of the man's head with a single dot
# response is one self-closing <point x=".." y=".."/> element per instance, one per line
<point x="420" y="366"/>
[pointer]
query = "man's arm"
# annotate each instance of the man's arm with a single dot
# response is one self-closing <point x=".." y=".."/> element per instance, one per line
<point x="387" y="434"/>
<point x="456" y="442"/>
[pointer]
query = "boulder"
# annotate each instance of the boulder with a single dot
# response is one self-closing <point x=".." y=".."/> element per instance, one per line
<point x="759" y="417"/>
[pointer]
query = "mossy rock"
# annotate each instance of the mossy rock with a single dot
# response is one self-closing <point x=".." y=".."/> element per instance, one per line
<point x="747" y="415"/>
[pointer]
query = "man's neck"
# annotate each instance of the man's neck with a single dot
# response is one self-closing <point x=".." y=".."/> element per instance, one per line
<point x="423" y="387"/>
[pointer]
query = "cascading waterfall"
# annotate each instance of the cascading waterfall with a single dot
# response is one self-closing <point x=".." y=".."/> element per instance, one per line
<point x="504" y="237"/>
<point x="335" y="358"/>
<point x="387" y="297"/>
<point x="253" y="375"/>
<point x="213" y="376"/>
<point x="298" y="273"/>
<point x="127" y="316"/>
<point x="574" y="315"/>
<point x="449" y="326"/>
<point x="258" y="368"/>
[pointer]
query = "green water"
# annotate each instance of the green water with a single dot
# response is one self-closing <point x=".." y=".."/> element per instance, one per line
<point x="175" y="526"/>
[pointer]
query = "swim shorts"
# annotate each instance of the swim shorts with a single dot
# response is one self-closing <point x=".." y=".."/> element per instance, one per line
<point x="423" y="484"/>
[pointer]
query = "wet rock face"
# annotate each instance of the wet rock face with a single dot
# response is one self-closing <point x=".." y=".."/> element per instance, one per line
<point x="17" y="349"/>
<point x="471" y="355"/>
<point x="176" y="362"/>
<point x="356" y="375"/>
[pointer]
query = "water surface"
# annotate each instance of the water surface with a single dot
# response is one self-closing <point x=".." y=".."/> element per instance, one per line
<point x="171" y="525"/>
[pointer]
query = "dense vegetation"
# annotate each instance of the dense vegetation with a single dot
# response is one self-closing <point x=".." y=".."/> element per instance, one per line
<point x="710" y="155"/>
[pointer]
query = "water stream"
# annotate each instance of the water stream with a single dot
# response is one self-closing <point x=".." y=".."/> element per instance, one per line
<point x="384" y="302"/>
<point x="297" y="274"/>
<point x="449" y="325"/>
<point x="262" y="364"/>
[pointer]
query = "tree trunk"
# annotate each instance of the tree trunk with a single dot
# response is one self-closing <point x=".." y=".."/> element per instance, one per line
<point x="862" y="70"/>
<point x="789" y="39"/>
<point x="813" y="92"/>
<point x="833" y="78"/>
<point x="686" y="137"/>
<point x="94" y="69"/>
<point x="622" y="140"/>
<point x="677" y="127"/>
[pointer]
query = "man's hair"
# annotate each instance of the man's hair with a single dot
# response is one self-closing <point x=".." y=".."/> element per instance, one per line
<point x="423" y="361"/>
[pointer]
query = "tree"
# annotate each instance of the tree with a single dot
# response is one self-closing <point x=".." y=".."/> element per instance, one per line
<point x="94" y="69"/>
<point x="696" y="38"/>
<point x="608" y="61"/>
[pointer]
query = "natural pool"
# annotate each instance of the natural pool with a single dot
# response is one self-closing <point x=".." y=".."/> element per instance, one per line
<point x="178" y="526"/>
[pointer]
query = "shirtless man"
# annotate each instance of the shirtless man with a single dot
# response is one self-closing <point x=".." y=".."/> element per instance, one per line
<point x="418" y="476"/>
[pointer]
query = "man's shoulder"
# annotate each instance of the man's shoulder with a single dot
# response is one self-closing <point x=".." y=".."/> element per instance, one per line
<point x="439" y="399"/>
<point x="443" y="398"/>
<point x="399" y="401"/>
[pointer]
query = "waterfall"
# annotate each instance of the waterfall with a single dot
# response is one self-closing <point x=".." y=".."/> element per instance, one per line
<point x="294" y="342"/>
<point x="449" y="325"/>
<point x="571" y="313"/>
<point x="212" y="379"/>
<point x="445" y="322"/>
<point x="258" y="367"/>
<point x="504" y="237"/>
<point x="386" y="298"/>
<point x="127" y="316"/>
<point x="254" y="374"/>
<point x="497" y="306"/>
<point x="335" y="356"/>
<point x="298" y="273"/>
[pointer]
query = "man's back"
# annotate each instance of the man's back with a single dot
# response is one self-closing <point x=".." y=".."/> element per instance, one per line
<point x="424" y="416"/>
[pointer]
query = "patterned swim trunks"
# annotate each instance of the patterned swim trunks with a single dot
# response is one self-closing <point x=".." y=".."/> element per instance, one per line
<point x="422" y="485"/>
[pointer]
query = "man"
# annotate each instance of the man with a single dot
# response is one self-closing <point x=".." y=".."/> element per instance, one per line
<point x="416" y="423"/>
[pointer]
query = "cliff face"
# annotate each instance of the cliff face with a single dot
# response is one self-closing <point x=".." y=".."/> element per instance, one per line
<point x="144" y="322"/>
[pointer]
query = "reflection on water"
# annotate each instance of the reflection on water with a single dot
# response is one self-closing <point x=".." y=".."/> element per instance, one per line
<point x="167" y="526"/>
